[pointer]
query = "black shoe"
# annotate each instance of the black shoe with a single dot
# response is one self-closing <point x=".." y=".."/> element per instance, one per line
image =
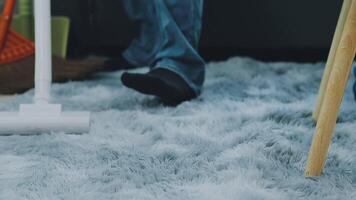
<point x="162" y="83"/>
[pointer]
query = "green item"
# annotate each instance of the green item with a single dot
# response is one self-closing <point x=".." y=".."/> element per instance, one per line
<point x="25" y="7"/>
<point x="23" y="23"/>
<point x="60" y="35"/>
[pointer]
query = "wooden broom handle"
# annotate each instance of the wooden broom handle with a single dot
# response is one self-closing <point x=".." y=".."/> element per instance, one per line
<point x="331" y="58"/>
<point x="341" y="69"/>
<point x="5" y="20"/>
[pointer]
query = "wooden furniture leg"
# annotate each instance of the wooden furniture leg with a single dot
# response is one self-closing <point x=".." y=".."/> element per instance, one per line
<point x="336" y="41"/>
<point x="340" y="72"/>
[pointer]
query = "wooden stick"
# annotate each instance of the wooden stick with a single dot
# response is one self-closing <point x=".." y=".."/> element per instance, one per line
<point x="337" y="36"/>
<point x="340" y="72"/>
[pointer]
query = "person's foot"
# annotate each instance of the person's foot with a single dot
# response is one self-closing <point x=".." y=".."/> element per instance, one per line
<point x="18" y="77"/>
<point x="162" y="83"/>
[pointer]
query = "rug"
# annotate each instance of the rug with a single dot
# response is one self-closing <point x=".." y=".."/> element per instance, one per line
<point x="246" y="137"/>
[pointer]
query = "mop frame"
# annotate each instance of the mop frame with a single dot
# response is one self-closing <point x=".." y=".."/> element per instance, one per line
<point x="42" y="116"/>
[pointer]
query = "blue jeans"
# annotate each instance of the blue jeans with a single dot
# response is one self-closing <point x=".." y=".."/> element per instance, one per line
<point x="169" y="37"/>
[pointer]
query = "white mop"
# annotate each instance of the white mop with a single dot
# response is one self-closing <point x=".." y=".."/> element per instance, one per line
<point x="43" y="117"/>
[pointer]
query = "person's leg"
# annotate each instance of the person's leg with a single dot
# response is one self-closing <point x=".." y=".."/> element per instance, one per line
<point x="180" y="23"/>
<point x="170" y="31"/>
<point x="143" y="49"/>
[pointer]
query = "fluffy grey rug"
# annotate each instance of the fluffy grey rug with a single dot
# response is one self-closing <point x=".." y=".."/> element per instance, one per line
<point x="247" y="137"/>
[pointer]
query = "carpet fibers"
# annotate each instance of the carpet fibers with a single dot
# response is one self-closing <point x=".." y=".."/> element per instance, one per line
<point x="246" y="137"/>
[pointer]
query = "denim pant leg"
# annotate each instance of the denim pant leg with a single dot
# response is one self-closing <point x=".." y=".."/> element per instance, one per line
<point x="170" y="31"/>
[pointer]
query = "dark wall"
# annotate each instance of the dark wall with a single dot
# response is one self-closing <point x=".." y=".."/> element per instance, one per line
<point x="274" y="29"/>
<point x="96" y="25"/>
<point x="278" y="29"/>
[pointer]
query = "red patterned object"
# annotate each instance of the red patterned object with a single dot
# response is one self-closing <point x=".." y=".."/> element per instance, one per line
<point x="13" y="46"/>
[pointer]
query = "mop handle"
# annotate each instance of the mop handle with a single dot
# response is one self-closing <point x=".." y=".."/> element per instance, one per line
<point x="43" y="63"/>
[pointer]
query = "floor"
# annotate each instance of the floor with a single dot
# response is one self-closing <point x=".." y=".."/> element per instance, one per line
<point x="246" y="137"/>
<point x="5" y="97"/>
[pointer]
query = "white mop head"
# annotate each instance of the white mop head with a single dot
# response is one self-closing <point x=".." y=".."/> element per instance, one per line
<point x="37" y="119"/>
